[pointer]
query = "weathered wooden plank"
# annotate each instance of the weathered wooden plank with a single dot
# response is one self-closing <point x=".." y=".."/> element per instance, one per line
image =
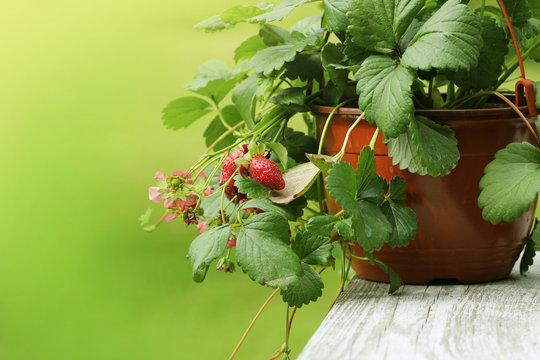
<point x="499" y="320"/>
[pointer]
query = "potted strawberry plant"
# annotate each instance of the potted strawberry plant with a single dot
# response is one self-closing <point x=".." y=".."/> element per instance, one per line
<point x="361" y="183"/>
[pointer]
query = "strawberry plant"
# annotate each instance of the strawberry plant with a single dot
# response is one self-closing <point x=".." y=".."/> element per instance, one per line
<point x="257" y="194"/>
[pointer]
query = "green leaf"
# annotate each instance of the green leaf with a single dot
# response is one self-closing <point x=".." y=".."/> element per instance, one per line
<point x="511" y="182"/>
<point x="451" y="39"/>
<point x="323" y="162"/>
<point x="213" y="80"/>
<point x="518" y="10"/>
<point x="183" y="111"/>
<point x="365" y="169"/>
<point x="322" y="225"/>
<point x="404" y="223"/>
<point x="281" y="153"/>
<point x="490" y="62"/>
<point x="537" y="92"/>
<point x="212" y="24"/>
<point x="395" y="280"/>
<point x="335" y="14"/>
<point x="334" y="62"/>
<point x="397" y="190"/>
<point x="534" y="7"/>
<point x="306" y="66"/>
<point x="341" y="184"/>
<point x="250" y="187"/>
<point x="377" y="25"/>
<point x="240" y="13"/>
<point x="345" y="229"/>
<point x="216" y="128"/>
<point x="243" y="96"/>
<point x="297" y="181"/>
<point x="426" y="148"/>
<point x="307" y="26"/>
<point x="292" y="98"/>
<point x="384" y="89"/>
<point x="274" y="35"/>
<point x="298" y="144"/>
<point x="375" y="191"/>
<point x="206" y="248"/>
<point x="308" y="289"/>
<point x="262" y="251"/>
<point x="249" y="48"/>
<point x="527" y="259"/>
<point x="371" y="228"/>
<point x="271" y="59"/>
<point x="313" y="249"/>
<point x="268" y="206"/>
<point x="280" y="12"/>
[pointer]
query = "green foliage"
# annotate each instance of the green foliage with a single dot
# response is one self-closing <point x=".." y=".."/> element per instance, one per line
<point x="511" y="182"/>
<point x="206" y="248"/>
<point x="322" y="225"/>
<point x="184" y="111"/>
<point x="335" y="12"/>
<point x="269" y="207"/>
<point x="279" y="12"/>
<point x="263" y="254"/>
<point x="250" y="187"/>
<point x="281" y="152"/>
<point x="212" y="80"/>
<point x="313" y="249"/>
<point x="426" y="148"/>
<point x="308" y="288"/>
<point x="527" y="259"/>
<point x="249" y="48"/>
<point x="323" y="162"/>
<point x="298" y="180"/>
<point x="384" y="89"/>
<point x="216" y="128"/>
<point x="293" y="98"/>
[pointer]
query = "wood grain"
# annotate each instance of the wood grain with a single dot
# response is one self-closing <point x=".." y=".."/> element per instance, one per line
<point x="499" y="320"/>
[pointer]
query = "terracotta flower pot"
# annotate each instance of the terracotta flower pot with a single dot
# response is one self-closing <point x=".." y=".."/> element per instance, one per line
<point x="453" y="241"/>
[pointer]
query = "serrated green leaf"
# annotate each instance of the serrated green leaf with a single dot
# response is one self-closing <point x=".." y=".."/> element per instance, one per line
<point x="322" y="225"/>
<point x="249" y="48"/>
<point x="323" y="162"/>
<point x="307" y="26"/>
<point x="365" y="168"/>
<point x="215" y="129"/>
<point x="345" y="229"/>
<point x="250" y="187"/>
<point x="384" y="89"/>
<point x="341" y="184"/>
<point x="377" y="25"/>
<point x="334" y="62"/>
<point x="274" y="35"/>
<point x="298" y="144"/>
<point x="280" y="12"/>
<point x="426" y="148"/>
<point x="212" y="79"/>
<point x="243" y="96"/>
<point x="436" y="145"/>
<point x="292" y="98"/>
<point x="240" y="13"/>
<point x="375" y="191"/>
<point x="212" y="24"/>
<point x="313" y="249"/>
<point x="510" y="183"/>
<point x="335" y="14"/>
<point x="183" y="111"/>
<point x="268" y="206"/>
<point x="529" y="252"/>
<point x="271" y="59"/>
<point x="297" y="181"/>
<point x="371" y="228"/>
<point x="398" y="190"/>
<point x="395" y="280"/>
<point x="263" y="254"/>
<point x="308" y="289"/>
<point x="306" y="66"/>
<point x="490" y="62"/>
<point x="206" y="248"/>
<point x="451" y="39"/>
<point x="281" y="153"/>
<point x="404" y="223"/>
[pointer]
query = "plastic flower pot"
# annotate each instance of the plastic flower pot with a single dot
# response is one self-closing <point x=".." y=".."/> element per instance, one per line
<point x="453" y="240"/>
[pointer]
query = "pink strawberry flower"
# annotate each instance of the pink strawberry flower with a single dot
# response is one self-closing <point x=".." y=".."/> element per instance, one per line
<point x="154" y="194"/>
<point x="169" y="203"/>
<point x="189" y="181"/>
<point x="209" y="191"/>
<point x="202" y="226"/>
<point x="170" y="217"/>
<point x="181" y="173"/>
<point x="159" y="176"/>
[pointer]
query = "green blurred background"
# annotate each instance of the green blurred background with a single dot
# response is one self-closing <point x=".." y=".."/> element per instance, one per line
<point x="82" y="88"/>
<point x="81" y="93"/>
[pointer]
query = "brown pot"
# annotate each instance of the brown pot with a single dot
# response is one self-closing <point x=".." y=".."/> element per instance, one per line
<point x="453" y="241"/>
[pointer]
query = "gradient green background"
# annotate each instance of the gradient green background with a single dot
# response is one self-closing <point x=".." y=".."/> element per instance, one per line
<point x="82" y="87"/>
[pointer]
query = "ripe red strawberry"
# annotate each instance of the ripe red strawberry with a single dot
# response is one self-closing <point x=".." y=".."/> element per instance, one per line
<point x="266" y="173"/>
<point x="228" y="168"/>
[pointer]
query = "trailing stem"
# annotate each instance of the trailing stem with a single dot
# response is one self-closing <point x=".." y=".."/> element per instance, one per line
<point x="233" y="354"/>
<point x="340" y="154"/>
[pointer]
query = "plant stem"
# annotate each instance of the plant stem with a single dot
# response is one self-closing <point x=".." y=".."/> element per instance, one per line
<point x="233" y="354"/>
<point x="220" y="115"/>
<point x="287" y="332"/>
<point x="482" y="7"/>
<point x="519" y="113"/>
<point x="450" y="92"/>
<point x="374" y="139"/>
<point x="340" y="154"/>
<point x="222" y="136"/>
<point x="223" y="194"/>
<point x="327" y="123"/>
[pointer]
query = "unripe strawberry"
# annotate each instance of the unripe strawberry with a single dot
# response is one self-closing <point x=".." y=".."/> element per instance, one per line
<point x="265" y="172"/>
